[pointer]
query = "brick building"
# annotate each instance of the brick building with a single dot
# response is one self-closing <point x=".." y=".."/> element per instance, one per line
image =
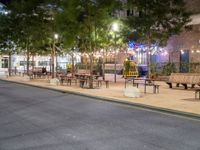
<point x="184" y="49"/>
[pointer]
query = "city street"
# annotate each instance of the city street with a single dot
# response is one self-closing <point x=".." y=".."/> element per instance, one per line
<point x="38" y="119"/>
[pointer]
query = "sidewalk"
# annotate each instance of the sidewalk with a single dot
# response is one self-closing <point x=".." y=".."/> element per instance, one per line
<point x="176" y="99"/>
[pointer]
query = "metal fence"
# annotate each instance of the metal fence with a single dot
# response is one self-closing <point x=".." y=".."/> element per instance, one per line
<point x="167" y="68"/>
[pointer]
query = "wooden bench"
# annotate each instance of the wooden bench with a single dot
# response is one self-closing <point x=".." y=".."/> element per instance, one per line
<point x="155" y="87"/>
<point x="184" y="79"/>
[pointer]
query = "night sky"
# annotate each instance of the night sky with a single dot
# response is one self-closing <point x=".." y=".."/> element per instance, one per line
<point x="4" y="1"/>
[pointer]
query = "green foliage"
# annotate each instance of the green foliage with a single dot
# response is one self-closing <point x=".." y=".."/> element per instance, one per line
<point x="95" y="69"/>
<point x="156" y="21"/>
<point x="85" y="24"/>
<point x="8" y="37"/>
<point x="184" y="67"/>
<point x="33" y="24"/>
<point x="98" y="68"/>
<point x="195" y="67"/>
<point x="29" y="27"/>
<point x="169" y="68"/>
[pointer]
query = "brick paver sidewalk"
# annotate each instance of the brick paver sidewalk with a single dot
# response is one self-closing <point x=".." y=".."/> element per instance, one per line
<point x="176" y="99"/>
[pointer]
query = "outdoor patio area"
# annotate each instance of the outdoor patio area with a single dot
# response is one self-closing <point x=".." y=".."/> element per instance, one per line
<point x="177" y="98"/>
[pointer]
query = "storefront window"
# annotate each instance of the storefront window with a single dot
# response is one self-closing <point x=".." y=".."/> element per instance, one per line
<point x="43" y="63"/>
<point x="141" y="58"/>
<point x="23" y="63"/>
<point x="4" y="62"/>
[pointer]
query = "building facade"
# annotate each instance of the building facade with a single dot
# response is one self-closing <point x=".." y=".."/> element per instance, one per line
<point x="182" y="49"/>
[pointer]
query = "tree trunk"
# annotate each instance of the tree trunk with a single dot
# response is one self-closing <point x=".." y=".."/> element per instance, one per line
<point x="72" y="64"/>
<point x="28" y="56"/>
<point x="149" y="58"/>
<point x="9" y="65"/>
<point x="56" y="57"/>
<point x="27" y="61"/>
<point x="149" y="62"/>
<point x="91" y="72"/>
<point x="52" y="60"/>
<point x="103" y="70"/>
<point x="115" y="76"/>
<point x="33" y="65"/>
<point x="103" y="66"/>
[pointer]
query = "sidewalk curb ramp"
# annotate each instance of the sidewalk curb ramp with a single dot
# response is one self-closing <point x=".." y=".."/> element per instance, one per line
<point x="137" y="105"/>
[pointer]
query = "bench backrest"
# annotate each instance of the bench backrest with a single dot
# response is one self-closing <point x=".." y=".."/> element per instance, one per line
<point x="188" y="78"/>
<point x="80" y="71"/>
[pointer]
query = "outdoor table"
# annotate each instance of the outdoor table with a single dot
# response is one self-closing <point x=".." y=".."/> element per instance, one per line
<point x="61" y="77"/>
<point x="37" y="74"/>
<point x="86" y="76"/>
<point x="83" y="78"/>
<point x="147" y="81"/>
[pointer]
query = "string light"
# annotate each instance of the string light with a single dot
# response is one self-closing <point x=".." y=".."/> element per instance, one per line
<point x="165" y="53"/>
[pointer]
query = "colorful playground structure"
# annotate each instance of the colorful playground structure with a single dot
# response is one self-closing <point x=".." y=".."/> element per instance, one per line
<point x="130" y="69"/>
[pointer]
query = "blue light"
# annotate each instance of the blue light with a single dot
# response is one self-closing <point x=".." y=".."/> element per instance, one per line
<point x="131" y="44"/>
<point x="140" y="45"/>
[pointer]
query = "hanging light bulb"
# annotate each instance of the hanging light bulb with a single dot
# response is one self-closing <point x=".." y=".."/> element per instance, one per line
<point x="165" y="53"/>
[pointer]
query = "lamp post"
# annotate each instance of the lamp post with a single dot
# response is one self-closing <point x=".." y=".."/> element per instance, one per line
<point x="115" y="28"/>
<point x="53" y="55"/>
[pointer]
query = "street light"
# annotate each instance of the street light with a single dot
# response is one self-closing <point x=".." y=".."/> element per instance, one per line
<point x="115" y="28"/>
<point x="53" y="55"/>
<point x="56" y="36"/>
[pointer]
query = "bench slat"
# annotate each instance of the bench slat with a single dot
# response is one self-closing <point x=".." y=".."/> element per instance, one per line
<point x="184" y="78"/>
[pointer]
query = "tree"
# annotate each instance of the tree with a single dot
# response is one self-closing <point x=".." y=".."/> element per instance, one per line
<point x="154" y="21"/>
<point x="22" y="14"/>
<point x="34" y="27"/>
<point x="8" y="38"/>
<point x="83" y="22"/>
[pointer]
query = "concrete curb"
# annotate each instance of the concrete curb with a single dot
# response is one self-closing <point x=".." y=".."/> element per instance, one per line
<point x="142" y="106"/>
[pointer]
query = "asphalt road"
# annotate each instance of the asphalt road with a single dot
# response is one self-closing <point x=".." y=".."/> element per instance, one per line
<point x="38" y="119"/>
